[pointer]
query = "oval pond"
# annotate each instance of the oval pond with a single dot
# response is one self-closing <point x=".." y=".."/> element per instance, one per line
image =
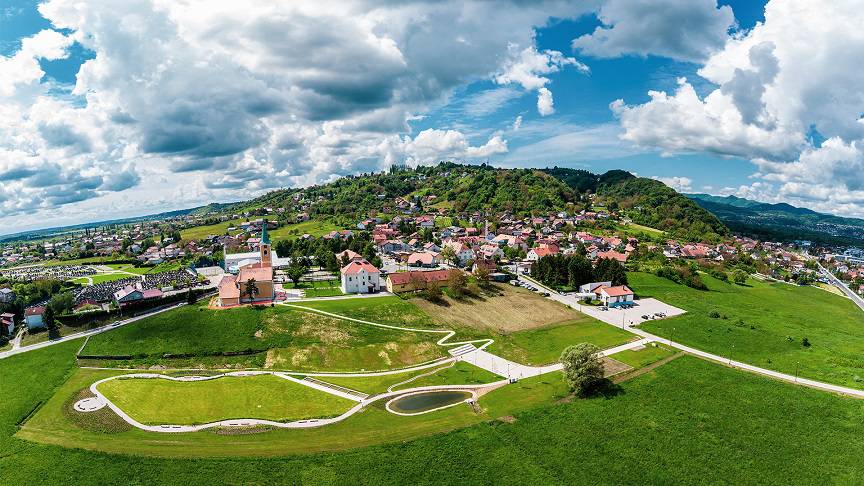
<point x="423" y="402"/>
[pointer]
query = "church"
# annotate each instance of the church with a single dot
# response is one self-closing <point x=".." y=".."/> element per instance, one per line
<point x="253" y="283"/>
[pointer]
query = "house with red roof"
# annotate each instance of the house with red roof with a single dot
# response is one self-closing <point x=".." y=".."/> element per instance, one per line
<point x="535" y="254"/>
<point x="614" y="296"/>
<point x="417" y="279"/>
<point x="360" y="277"/>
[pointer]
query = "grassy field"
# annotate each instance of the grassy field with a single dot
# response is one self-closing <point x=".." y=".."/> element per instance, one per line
<point x="687" y="422"/>
<point x="461" y="373"/>
<point x="675" y="425"/>
<point x="512" y="309"/>
<point x="314" y="228"/>
<point x="765" y="325"/>
<point x="293" y="339"/>
<point x="320" y="288"/>
<point x="544" y="345"/>
<point x="158" y="401"/>
<point x="199" y="232"/>
<point x="383" y="310"/>
<point x="639" y="358"/>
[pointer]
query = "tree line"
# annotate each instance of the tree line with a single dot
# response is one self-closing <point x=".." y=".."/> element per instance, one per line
<point x="575" y="270"/>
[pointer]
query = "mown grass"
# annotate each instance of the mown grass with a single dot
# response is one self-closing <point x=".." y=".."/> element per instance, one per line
<point x="544" y="345"/>
<point x="382" y="310"/>
<point x="687" y="422"/>
<point x="461" y="373"/>
<point x="314" y="227"/>
<point x="296" y="340"/>
<point x="764" y="324"/>
<point x="157" y="401"/>
<point x="639" y="358"/>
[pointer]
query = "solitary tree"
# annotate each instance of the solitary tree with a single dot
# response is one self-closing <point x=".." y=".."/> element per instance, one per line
<point x="448" y="254"/>
<point x="296" y="270"/>
<point x="251" y="289"/>
<point x="458" y="282"/>
<point x="583" y="368"/>
<point x="739" y="276"/>
<point x="482" y="273"/>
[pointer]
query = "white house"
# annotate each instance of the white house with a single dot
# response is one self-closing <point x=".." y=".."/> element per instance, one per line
<point x="463" y="252"/>
<point x="535" y="254"/>
<point x="589" y="288"/>
<point x="360" y="277"/>
<point x="615" y="296"/>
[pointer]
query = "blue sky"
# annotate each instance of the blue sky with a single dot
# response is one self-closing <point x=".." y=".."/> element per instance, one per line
<point x="115" y="112"/>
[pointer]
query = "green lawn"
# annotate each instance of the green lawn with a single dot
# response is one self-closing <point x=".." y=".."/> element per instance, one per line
<point x="643" y="357"/>
<point x="372" y="385"/>
<point x="544" y="345"/>
<point x="313" y="227"/>
<point x="293" y="339"/>
<point x="199" y="232"/>
<point x="320" y="288"/>
<point x="764" y="325"/>
<point x="158" y="401"/>
<point x="461" y="373"/>
<point x="383" y="310"/>
<point x="108" y="277"/>
<point x="687" y="422"/>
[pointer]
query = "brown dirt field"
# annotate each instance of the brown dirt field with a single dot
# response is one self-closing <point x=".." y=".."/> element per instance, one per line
<point x="514" y="309"/>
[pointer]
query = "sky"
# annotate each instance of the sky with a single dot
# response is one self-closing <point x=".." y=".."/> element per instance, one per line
<point x="111" y="110"/>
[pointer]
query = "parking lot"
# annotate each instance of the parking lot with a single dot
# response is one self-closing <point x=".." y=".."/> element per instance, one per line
<point x="627" y="317"/>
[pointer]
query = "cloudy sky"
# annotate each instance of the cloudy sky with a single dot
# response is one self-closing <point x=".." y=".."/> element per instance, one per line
<point x="114" y="109"/>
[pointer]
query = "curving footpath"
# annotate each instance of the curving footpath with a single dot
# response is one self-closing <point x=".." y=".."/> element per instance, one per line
<point x="100" y="401"/>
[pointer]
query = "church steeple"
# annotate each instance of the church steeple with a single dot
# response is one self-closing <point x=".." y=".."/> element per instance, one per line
<point x="266" y="257"/>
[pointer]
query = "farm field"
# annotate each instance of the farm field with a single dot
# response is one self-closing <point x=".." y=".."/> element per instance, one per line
<point x="765" y="325"/>
<point x="512" y="309"/>
<point x="199" y="232"/>
<point x="737" y="427"/>
<point x="263" y="397"/>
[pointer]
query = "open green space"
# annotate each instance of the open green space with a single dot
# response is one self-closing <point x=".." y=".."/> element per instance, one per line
<point x="383" y="310"/>
<point x="200" y="232"/>
<point x="105" y="277"/>
<point x="319" y="288"/>
<point x="639" y="358"/>
<point x="314" y="228"/>
<point x="156" y="401"/>
<point x="765" y="324"/>
<point x="292" y="339"/>
<point x="686" y="422"/>
<point x="461" y="373"/>
<point x="544" y="345"/>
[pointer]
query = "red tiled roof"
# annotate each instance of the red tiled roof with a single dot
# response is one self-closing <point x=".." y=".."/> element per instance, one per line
<point x="34" y="311"/>
<point x="356" y="266"/>
<point x="260" y="274"/>
<point x="618" y="291"/>
<point x="228" y="287"/>
<point x="401" y="278"/>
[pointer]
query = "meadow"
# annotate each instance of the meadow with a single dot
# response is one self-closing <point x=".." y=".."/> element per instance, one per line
<point x="189" y="403"/>
<point x="293" y="339"/>
<point x="686" y="422"/>
<point x="765" y="324"/>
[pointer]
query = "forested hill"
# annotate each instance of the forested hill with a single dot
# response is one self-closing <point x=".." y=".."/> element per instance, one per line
<point x="460" y="187"/>
<point x="782" y="221"/>
<point x="470" y="188"/>
<point x="647" y="202"/>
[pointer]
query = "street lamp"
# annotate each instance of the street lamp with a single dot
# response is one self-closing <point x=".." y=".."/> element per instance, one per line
<point x="731" y="347"/>
<point x="797" y="364"/>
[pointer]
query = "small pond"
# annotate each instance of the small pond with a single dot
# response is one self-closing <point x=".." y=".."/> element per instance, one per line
<point x="422" y="402"/>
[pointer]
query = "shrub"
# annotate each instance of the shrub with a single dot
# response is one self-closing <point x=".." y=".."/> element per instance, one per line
<point x="714" y="314"/>
<point x="805" y="342"/>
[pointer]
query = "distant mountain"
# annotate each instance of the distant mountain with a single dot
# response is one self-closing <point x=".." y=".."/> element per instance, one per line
<point x="42" y="234"/>
<point x="782" y="221"/>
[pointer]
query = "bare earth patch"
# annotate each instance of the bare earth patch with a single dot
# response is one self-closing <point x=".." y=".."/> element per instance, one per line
<point x="612" y="367"/>
<point x="514" y="309"/>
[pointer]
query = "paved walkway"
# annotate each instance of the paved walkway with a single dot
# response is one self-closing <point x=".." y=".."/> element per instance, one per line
<point x="512" y="370"/>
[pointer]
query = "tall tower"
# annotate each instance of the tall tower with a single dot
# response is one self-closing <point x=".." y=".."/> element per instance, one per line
<point x="266" y="257"/>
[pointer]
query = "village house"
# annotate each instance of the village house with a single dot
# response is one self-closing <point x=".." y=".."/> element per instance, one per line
<point x="360" y="277"/>
<point x="614" y="296"/>
<point x="417" y="280"/>
<point x="33" y="317"/>
<point x="7" y="324"/>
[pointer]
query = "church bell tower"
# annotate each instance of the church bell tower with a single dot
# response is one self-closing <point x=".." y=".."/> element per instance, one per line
<point x="266" y="254"/>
